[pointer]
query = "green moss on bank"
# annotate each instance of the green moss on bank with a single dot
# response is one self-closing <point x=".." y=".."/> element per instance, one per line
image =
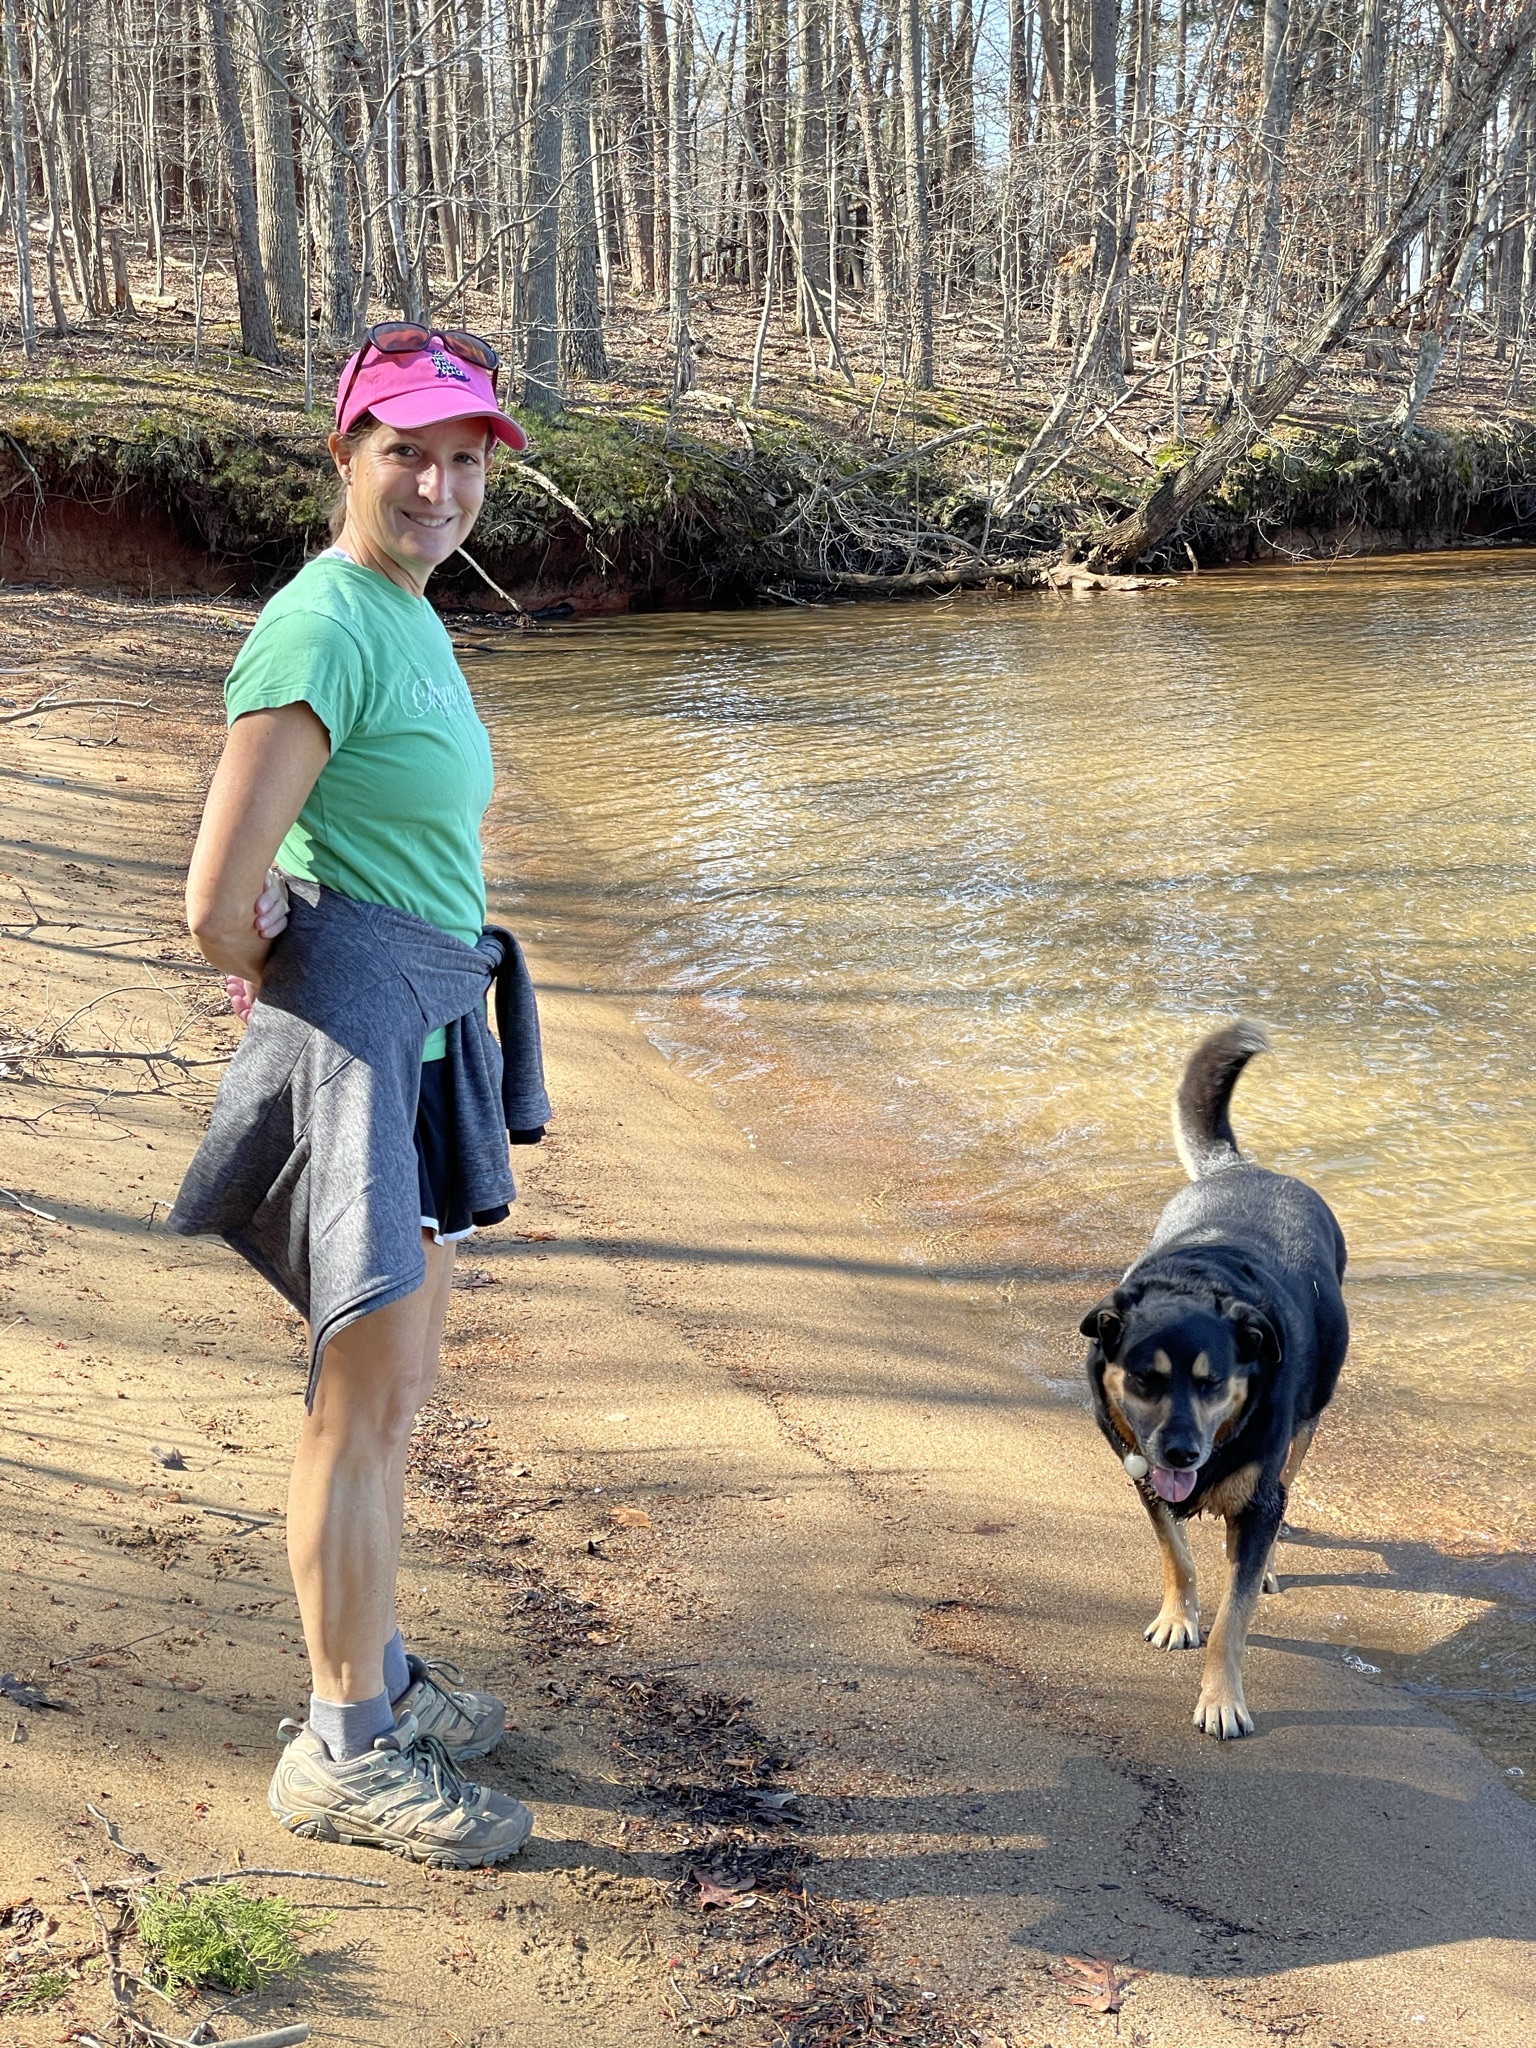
<point x="700" y="504"/>
<point x="1315" y="486"/>
<point x="242" y="471"/>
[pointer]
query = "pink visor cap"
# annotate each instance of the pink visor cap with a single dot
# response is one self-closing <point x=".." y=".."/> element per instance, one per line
<point x="424" y="389"/>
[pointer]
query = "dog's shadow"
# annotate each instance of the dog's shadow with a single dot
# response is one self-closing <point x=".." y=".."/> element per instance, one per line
<point x="1481" y="1675"/>
<point x="1505" y="1578"/>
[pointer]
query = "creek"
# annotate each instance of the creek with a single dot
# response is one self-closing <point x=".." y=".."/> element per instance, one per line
<point x="938" y="896"/>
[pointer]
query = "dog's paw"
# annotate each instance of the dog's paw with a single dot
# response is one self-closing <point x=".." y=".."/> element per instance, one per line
<point x="1175" y="1628"/>
<point x="1271" y="1583"/>
<point x="1225" y="1716"/>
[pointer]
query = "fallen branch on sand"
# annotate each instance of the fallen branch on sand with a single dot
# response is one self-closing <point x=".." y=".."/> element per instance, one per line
<point x="44" y="1047"/>
<point x="162" y="1056"/>
<point x="114" y="1836"/>
<point x="377" y="1884"/>
<point x="53" y="702"/>
<point x="27" y="1208"/>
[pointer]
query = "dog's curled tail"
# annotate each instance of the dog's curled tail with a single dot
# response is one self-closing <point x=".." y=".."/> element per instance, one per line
<point x="1202" y="1127"/>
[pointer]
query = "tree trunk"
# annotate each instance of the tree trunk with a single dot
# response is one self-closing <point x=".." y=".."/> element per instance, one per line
<point x="633" y="147"/>
<point x="877" y="174"/>
<point x="581" y="310"/>
<point x="338" y="34"/>
<point x="919" y="239"/>
<point x="256" y="333"/>
<point x="679" y="197"/>
<point x="16" y="135"/>
<point x="808" y="162"/>
<point x="541" y="290"/>
<point x="277" y="203"/>
<point x="658" y="91"/>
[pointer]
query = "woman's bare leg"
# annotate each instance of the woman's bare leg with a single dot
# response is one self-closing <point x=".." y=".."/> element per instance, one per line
<point x="346" y="1496"/>
<point x="439" y="1285"/>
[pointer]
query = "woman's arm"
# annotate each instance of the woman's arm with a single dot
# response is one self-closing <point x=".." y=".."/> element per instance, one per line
<point x="271" y="761"/>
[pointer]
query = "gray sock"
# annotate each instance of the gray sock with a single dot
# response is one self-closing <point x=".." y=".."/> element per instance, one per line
<point x="397" y="1673"/>
<point x="349" y="1728"/>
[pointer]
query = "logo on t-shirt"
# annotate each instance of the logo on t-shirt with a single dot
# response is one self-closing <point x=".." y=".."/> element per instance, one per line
<point x="447" y="367"/>
<point x="446" y="699"/>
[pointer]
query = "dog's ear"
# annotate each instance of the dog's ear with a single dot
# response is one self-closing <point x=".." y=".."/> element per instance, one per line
<point x="1106" y="1323"/>
<point x="1258" y="1341"/>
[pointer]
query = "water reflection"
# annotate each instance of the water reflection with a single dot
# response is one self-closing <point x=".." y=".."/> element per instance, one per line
<point x="963" y="883"/>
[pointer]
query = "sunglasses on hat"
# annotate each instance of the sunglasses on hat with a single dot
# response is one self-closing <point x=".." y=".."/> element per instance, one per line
<point x="412" y="337"/>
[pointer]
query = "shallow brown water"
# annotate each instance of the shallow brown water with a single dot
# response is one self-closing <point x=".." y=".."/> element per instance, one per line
<point x="949" y="890"/>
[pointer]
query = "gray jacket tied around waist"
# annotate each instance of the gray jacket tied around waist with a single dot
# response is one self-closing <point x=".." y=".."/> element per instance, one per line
<point x="309" y="1166"/>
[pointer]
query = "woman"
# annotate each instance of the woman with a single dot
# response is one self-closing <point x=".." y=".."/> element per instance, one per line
<point x="355" y="761"/>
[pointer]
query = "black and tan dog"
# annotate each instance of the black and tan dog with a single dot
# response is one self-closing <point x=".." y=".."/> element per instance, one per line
<point x="1213" y="1359"/>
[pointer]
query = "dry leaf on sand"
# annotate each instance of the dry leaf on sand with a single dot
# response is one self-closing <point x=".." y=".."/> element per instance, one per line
<point x="1094" y="1984"/>
<point x="724" y="1891"/>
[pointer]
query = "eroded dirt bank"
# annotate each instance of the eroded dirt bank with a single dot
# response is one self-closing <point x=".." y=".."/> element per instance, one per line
<point x="731" y="1503"/>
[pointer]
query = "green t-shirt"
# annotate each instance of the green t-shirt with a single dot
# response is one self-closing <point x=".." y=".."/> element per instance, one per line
<point x="395" y="815"/>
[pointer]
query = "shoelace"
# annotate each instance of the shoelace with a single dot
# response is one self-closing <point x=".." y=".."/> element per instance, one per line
<point x="421" y="1751"/>
<point x="431" y="1666"/>
<point x="446" y="1780"/>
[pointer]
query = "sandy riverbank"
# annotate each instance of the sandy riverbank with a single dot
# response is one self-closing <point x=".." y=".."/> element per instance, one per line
<point x="839" y="1501"/>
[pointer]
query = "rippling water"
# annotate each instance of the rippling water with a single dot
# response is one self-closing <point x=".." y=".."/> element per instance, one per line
<point x="955" y="886"/>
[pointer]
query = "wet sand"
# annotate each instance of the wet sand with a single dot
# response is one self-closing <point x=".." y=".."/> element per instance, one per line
<point x="840" y="1500"/>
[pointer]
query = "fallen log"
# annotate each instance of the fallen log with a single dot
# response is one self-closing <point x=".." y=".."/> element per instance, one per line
<point x="1021" y="574"/>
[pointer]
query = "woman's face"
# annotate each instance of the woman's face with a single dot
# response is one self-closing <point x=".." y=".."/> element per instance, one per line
<point x="413" y="495"/>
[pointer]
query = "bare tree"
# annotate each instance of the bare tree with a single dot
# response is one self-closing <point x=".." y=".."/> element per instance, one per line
<point x="18" y="179"/>
<point x="277" y="204"/>
<point x="257" y="337"/>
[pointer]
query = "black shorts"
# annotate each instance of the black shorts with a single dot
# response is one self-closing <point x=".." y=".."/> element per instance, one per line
<point x="445" y="1209"/>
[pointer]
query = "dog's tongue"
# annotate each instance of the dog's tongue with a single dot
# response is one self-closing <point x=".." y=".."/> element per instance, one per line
<point x="1174" y="1486"/>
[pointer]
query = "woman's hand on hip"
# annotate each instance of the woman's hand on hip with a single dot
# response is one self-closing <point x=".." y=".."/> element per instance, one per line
<point x="271" y="918"/>
<point x="271" y="921"/>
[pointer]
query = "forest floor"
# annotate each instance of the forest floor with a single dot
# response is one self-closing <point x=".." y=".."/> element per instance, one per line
<point x="820" y="1629"/>
<point x="186" y="466"/>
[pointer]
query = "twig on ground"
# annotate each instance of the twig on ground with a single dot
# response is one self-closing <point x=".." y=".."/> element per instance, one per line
<point x="239" y="1515"/>
<point x="27" y="1207"/>
<point x="115" y="1838"/>
<point x="377" y="1884"/>
<point x="108" y="1943"/>
<point x="53" y="702"/>
<point x="99" y="1648"/>
<point x="161" y="1056"/>
<point x="280" y="2037"/>
<point x="75" y="924"/>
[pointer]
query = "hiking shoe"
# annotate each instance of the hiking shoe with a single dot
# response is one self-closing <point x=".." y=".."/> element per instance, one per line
<point x="467" y="1724"/>
<point x="404" y="1796"/>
